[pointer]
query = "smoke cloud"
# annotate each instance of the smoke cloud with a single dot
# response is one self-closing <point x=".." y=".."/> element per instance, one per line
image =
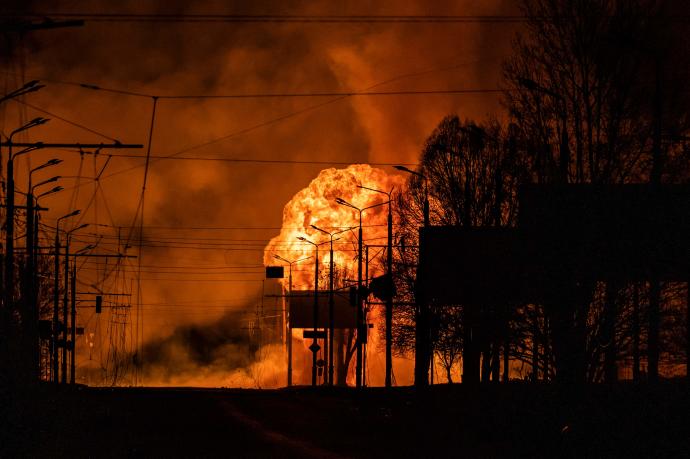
<point x="190" y="320"/>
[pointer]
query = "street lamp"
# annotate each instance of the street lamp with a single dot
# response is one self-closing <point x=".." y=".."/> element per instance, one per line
<point x="361" y="327"/>
<point x="31" y="280"/>
<point x="289" y="327"/>
<point x="389" y="286"/>
<point x="56" y="293"/>
<point x="314" y="345"/>
<point x="73" y="310"/>
<point x="68" y="236"/>
<point x="331" y="324"/>
<point x="9" y="224"/>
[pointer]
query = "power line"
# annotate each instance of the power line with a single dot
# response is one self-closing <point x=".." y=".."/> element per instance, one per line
<point x="224" y="228"/>
<point x="412" y="92"/>
<point x="254" y="161"/>
<point x="73" y="123"/>
<point x="279" y="18"/>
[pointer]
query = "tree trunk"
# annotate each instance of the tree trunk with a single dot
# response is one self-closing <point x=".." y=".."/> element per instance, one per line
<point x="609" y="334"/>
<point x="653" y="331"/>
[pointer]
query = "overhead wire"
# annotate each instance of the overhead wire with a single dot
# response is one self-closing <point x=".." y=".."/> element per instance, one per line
<point x="282" y="18"/>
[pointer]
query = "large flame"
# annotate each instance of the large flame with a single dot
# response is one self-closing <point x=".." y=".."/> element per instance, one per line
<point x="316" y="205"/>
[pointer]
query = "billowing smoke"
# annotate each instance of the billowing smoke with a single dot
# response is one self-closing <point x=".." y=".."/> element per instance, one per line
<point x="243" y="201"/>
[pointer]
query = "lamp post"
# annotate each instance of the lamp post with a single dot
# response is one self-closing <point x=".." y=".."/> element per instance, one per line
<point x="331" y="323"/>
<point x="361" y="327"/>
<point x="422" y="338"/>
<point x="30" y="210"/>
<point x="73" y="313"/>
<point x="314" y="345"/>
<point x="56" y="295"/>
<point x="289" y="328"/>
<point x="389" y="286"/>
<point x="9" y="225"/>
<point x="31" y="295"/>
<point x="68" y="235"/>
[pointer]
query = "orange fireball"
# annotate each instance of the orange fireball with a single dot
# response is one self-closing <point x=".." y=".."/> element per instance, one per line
<point x="316" y="205"/>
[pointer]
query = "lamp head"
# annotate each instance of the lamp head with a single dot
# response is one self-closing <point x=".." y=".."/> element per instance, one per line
<point x="34" y="88"/>
<point x="37" y="121"/>
<point x="30" y="84"/>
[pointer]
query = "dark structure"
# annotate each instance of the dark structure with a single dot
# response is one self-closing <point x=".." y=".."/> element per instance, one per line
<point x="567" y="238"/>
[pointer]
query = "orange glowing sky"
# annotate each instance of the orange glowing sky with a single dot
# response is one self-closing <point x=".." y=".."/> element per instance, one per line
<point x="243" y="201"/>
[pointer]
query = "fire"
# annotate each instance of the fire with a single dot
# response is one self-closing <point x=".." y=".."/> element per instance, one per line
<point x="316" y="205"/>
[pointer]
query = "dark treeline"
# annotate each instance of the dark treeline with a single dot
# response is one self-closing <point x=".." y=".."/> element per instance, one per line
<point x="596" y="93"/>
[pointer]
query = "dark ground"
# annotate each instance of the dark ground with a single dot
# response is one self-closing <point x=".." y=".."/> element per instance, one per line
<point x="515" y="420"/>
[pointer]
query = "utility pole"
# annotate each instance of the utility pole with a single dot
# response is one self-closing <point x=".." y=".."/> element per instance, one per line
<point x="360" y="312"/>
<point x="361" y="330"/>
<point x="314" y="347"/>
<point x="389" y="301"/>
<point x="10" y="332"/>
<point x="73" y="322"/>
<point x="289" y="332"/>
<point x="64" y="313"/>
<point x="31" y="278"/>
<point x="288" y="325"/>
<point x="56" y="300"/>
<point x="389" y="286"/>
<point x="331" y="302"/>
<point x="364" y="320"/>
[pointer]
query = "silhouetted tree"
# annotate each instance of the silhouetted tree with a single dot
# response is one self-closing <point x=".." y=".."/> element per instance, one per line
<point x="471" y="174"/>
<point x="596" y="89"/>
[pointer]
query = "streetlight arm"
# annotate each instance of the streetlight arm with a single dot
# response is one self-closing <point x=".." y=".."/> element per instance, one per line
<point x="54" y="190"/>
<point x="375" y="205"/>
<point x="50" y="180"/>
<point x="409" y="171"/>
<point x="24" y="151"/>
<point x="343" y="202"/>
<point x="34" y="122"/>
